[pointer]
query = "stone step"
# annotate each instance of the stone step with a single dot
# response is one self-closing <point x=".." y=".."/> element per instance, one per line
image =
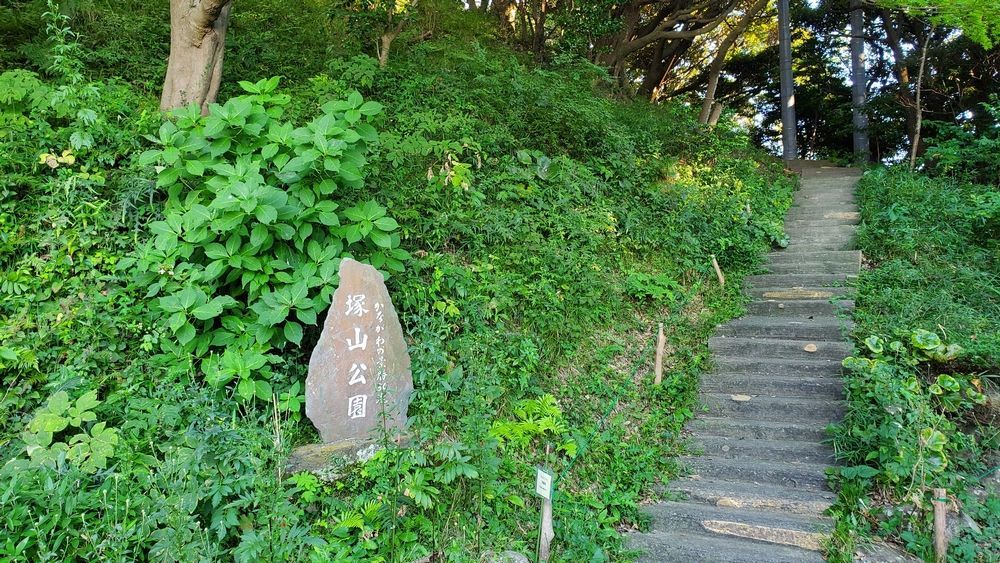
<point x="851" y="269"/>
<point x="796" y="280"/>
<point x="778" y="367"/>
<point x="778" y="347"/>
<point x="764" y="450"/>
<point x="825" y="188"/>
<point x="813" y="207"/>
<point x="738" y="494"/>
<point x="696" y="517"/>
<point x="805" y="476"/>
<point x="826" y="200"/>
<point x="761" y="407"/>
<point x="828" y="229"/>
<point x="849" y="257"/>
<point x="810" y="293"/>
<point x="815" y="246"/>
<point x="841" y="232"/>
<point x="762" y="429"/>
<point x="671" y="546"/>
<point x="821" y="223"/>
<point x="811" y="213"/>
<point x="797" y="328"/>
<point x="829" y="387"/>
<point x="816" y="236"/>
<point x="804" y="307"/>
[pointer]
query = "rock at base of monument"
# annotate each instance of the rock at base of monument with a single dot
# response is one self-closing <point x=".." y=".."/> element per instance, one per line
<point x="505" y="557"/>
<point x="330" y="462"/>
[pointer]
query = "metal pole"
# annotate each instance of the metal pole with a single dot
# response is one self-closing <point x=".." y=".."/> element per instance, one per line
<point x="859" y="79"/>
<point x="788" y="125"/>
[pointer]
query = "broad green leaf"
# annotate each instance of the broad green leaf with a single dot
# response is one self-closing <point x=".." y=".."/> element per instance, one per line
<point x="293" y="332"/>
<point x="207" y="311"/>
<point x="925" y="339"/>
<point x="269" y="151"/>
<point x="246" y="389"/>
<point x="380" y="239"/>
<point x="370" y="108"/>
<point x="259" y="235"/>
<point x="386" y="224"/>
<point x="266" y="214"/>
<point x="48" y="422"/>
<point x="195" y="167"/>
<point x="87" y="401"/>
<point x="150" y="157"/>
<point x="933" y="440"/>
<point x="185" y="334"/>
<point x="262" y="389"/>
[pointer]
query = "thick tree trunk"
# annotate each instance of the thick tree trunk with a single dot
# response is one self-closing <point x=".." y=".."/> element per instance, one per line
<point x="654" y="72"/>
<point x="859" y="80"/>
<point x="715" y="70"/>
<point x="197" y="43"/>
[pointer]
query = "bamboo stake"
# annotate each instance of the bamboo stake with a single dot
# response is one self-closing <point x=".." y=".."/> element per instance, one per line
<point x="718" y="271"/>
<point x="940" y="524"/>
<point x="658" y="366"/>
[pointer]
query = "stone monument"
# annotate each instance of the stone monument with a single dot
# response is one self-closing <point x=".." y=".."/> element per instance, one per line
<point x="359" y="381"/>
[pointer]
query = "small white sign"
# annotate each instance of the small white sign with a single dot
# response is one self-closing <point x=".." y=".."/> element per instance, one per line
<point x="543" y="484"/>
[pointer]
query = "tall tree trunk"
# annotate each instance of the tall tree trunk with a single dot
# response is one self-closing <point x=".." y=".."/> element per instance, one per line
<point x="540" y="8"/>
<point x="915" y="145"/>
<point x="671" y="57"/>
<point x="859" y="79"/>
<point x="197" y="42"/>
<point x="902" y="73"/>
<point x="715" y="70"/>
<point x="654" y="72"/>
<point x="788" y="123"/>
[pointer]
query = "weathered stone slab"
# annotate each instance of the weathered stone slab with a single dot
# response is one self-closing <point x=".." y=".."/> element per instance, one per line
<point x="360" y="366"/>
<point x="331" y="461"/>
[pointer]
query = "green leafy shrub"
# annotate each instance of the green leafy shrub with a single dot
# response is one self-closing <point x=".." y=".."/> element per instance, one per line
<point x="964" y="153"/>
<point x="927" y="316"/>
<point x="89" y="449"/>
<point x="248" y="250"/>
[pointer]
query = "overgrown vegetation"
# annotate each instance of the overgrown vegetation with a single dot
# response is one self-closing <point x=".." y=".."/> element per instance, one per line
<point x="162" y="281"/>
<point x="923" y="408"/>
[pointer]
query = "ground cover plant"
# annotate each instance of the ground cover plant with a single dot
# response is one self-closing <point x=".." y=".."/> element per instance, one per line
<point x="921" y="390"/>
<point x="163" y="279"/>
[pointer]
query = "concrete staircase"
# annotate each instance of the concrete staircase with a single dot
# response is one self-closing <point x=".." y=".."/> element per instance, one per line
<point x="758" y="492"/>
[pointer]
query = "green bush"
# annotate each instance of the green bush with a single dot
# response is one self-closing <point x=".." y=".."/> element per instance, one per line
<point x="251" y="240"/>
<point x="928" y="318"/>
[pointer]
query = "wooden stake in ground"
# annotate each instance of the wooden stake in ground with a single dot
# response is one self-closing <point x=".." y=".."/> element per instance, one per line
<point x="718" y="271"/>
<point x="543" y="488"/>
<point x="940" y="523"/>
<point x="658" y="366"/>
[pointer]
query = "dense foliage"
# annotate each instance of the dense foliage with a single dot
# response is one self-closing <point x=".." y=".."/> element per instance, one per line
<point x="162" y="279"/>
<point x="921" y="413"/>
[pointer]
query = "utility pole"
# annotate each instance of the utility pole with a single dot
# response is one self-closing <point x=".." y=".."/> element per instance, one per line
<point x="789" y="150"/>
<point x="859" y="80"/>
